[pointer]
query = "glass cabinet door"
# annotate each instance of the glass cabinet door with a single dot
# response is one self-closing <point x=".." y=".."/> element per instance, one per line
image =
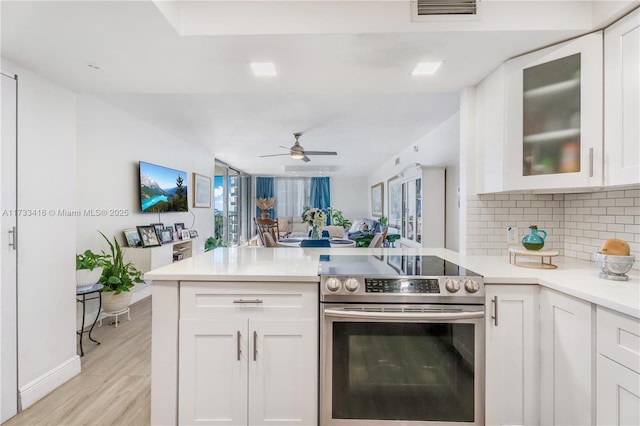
<point x="551" y="117"/>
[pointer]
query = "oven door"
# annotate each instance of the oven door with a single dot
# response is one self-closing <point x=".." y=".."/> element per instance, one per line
<point x="402" y="364"/>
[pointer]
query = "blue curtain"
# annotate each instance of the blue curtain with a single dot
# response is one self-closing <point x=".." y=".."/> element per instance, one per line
<point x="264" y="189"/>
<point x="320" y="193"/>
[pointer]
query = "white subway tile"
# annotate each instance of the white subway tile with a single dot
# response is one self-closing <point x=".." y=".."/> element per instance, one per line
<point x="615" y="194"/>
<point x="615" y="210"/>
<point x="623" y="202"/>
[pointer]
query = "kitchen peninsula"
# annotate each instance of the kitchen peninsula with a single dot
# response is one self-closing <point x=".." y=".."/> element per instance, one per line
<point x="261" y="306"/>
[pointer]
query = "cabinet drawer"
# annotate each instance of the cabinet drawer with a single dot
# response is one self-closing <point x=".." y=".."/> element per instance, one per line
<point x="257" y="300"/>
<point x="619" y="338"/>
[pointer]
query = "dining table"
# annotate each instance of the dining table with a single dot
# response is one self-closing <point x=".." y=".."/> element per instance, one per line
<point x="335" y="242"/>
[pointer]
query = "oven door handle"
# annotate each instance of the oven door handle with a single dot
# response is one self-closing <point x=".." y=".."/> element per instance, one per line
<point x="404" y="315"/>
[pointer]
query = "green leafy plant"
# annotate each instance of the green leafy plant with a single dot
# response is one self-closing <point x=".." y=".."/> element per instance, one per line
<point x="337" y="218"/>
<point x="383" y="220"/>
<point x="118" y="275"/>
<point x="212" y="243"/>
<point x="90" y="260"/>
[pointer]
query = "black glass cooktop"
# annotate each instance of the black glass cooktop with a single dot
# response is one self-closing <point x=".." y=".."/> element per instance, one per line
<point x="404" y="265"/>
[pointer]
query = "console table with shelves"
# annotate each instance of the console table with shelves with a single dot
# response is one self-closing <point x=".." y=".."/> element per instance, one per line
<point x="149" y="258"/>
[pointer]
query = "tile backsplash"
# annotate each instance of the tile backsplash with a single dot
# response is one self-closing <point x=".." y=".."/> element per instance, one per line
<point x="576" y="224"/>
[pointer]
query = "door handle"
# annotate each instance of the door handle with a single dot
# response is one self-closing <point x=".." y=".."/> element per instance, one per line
<point x="494" y="317"/>
<point x="239" y="351"/>
<point x="255" y="345"/>
<point x="13" y="240"/>
<point x="256" y="301"/>
<point x="590" y="162"/>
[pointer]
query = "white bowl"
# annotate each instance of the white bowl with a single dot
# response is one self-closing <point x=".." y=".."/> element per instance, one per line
<point x="613" y="265"/>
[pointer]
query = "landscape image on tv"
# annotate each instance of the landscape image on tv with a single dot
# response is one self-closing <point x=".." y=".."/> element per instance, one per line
<point x="162" y="189"/>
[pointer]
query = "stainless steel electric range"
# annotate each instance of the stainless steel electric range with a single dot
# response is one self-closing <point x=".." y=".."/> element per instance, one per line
<point x="402" y="341"/>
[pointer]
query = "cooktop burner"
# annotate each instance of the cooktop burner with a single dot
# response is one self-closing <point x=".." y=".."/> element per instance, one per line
<point x="405" y="265"/>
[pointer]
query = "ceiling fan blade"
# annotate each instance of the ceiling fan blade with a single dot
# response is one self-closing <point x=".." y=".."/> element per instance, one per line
<point x="321" y="153"/>
<point x="274" y="155"/>
<point x="306" y="159"/>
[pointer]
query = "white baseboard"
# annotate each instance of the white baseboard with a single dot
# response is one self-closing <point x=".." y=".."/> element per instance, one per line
<point x="140" y="293"/>
<point x="51" y="380"/>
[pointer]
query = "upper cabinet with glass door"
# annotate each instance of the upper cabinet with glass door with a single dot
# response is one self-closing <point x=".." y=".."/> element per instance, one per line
<point x="553" y="121"/>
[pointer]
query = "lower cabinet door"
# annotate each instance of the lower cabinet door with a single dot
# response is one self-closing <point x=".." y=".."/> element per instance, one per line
<point x="566" y="360"/>
<point x="617" y="394"/>
<point x="283" y="372"/>
<point x="512" y="360"/>
<point x="212" y="366"/>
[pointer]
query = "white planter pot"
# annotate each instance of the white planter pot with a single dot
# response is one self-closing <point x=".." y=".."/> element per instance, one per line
<point x="86" y="278"/>
<point x="112" y="302"/>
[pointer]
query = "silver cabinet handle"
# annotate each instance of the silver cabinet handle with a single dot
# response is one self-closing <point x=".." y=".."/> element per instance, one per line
<point x="494" y="317"/>
<point x="255" y="345"/>
<point x="239" y="351"/>
<point x="14" y="240"/>
<point x="590" y="162"/>
<point x="247" y="301"/>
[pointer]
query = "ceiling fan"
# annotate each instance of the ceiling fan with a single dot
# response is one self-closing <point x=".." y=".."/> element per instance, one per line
<point x="297" y="152"/>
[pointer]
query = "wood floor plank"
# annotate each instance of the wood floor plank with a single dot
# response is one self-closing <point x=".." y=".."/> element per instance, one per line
<point x="114" y="387"/>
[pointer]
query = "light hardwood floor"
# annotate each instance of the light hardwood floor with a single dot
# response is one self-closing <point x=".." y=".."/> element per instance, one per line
<point x="114" y="386"/>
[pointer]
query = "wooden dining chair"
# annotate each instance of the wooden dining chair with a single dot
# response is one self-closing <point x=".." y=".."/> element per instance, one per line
<point x="268" y="227"/>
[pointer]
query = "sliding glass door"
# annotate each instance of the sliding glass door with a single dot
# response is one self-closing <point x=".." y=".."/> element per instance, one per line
<point x="231" y="204"/>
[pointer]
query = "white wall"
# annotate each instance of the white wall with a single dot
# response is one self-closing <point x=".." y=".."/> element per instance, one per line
<point x="46" y="242"/>
<point x="351" y="195"/>
<point x="111" y="142"/>
<point x="439" y="147"/>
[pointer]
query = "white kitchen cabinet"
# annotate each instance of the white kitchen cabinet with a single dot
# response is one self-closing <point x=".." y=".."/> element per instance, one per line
<point x="618" y="369"/>
<point x="490" y="149"/>
<point x="622" y="101"/>
<point x="512" y="355"/>
<point x="566" y="360"/>
<point x="248" y="356"/>
<point x="553" y="117"/>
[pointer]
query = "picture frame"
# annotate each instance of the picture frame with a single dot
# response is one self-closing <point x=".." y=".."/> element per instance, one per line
<point x="178" y="227"/>
<point x="159" y="227"/>
<point x="201" y="191"/>
<point x="132" y="237"/>
<point x="193" y="233"/>
<point x="377" y="199"/>
<point x="169" y="228"/>
<point x="148" y="236"/>
<point x="166" y="236"/>
<point x="184" y="234"/>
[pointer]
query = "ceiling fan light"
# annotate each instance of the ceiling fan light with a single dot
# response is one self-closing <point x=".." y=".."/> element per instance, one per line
<point x="297" y="155"/>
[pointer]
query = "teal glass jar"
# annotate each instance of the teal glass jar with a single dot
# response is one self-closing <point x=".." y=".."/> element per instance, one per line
<point x="534" y="240"/>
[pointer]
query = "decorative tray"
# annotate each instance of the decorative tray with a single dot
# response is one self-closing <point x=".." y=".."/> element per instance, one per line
<point x="514" y="252"/>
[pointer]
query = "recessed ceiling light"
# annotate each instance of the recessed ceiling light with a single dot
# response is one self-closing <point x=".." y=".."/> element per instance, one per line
<point x="426" y="68"/>
<point x="263" y="69"/>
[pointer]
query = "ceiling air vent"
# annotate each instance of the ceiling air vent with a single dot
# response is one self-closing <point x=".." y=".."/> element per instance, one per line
<point x="446" y="7"/>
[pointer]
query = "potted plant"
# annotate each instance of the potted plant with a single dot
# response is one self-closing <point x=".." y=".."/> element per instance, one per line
<point x="213" y="243"/>
<point x="118" y="277"/>
<point x="337" y="219"/>
<point x="383" y="223"/>
<point x="89" y="266"/>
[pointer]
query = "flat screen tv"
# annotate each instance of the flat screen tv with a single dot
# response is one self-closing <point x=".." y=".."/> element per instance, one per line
<point x="162" y="189"/>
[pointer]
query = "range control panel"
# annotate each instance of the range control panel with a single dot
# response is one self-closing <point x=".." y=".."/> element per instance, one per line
<point x="391" y="285"/>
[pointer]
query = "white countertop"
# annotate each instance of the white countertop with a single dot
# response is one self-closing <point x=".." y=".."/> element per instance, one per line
<point x="574" y="277"/>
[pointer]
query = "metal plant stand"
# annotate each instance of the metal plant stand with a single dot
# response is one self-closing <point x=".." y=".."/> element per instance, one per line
<point x="96" y="288"/>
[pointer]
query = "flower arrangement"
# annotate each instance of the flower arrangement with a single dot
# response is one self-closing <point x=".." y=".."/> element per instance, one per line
<point x="315" y="217"/>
